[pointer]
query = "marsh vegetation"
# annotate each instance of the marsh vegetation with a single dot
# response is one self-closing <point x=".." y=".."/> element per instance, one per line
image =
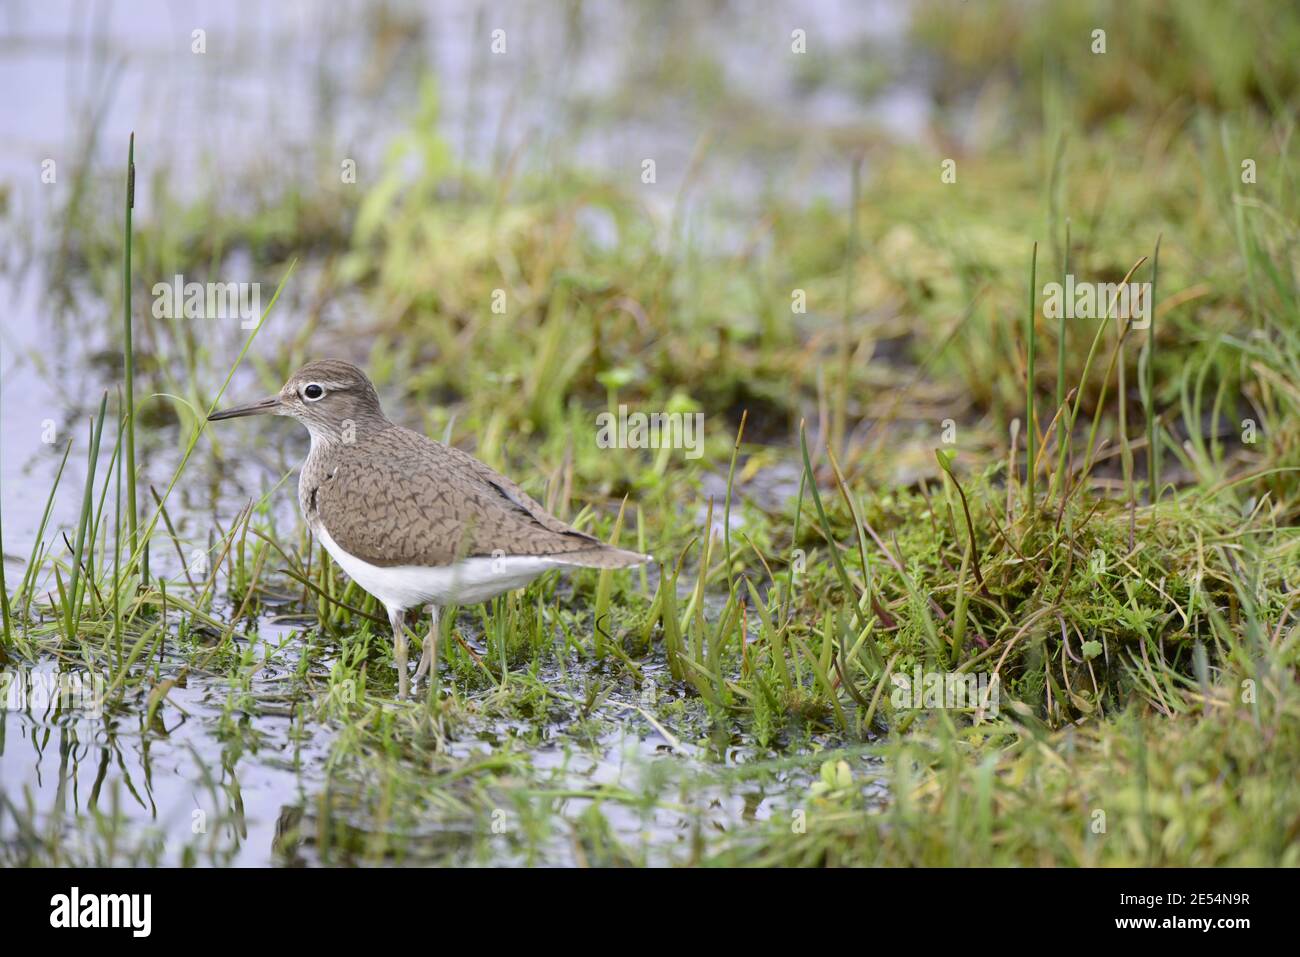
<point x="906" y="466"/>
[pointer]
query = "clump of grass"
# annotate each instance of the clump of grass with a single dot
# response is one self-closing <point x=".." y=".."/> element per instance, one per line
<point x="1143" y="788"/>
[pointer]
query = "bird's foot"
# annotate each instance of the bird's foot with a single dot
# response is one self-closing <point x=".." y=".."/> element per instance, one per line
<point x="426" y="659"/>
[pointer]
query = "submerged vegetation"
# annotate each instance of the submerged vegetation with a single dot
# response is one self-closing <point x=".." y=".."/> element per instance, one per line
<point x="907" y="468"/>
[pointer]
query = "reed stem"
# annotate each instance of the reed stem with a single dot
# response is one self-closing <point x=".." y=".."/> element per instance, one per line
<point x="1153" y="446"/>
<point x="1030" y="433"/>
<point x="127" y="409"/>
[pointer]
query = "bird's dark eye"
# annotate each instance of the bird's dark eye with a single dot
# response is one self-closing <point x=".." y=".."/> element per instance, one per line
<point x="313" y="392"/>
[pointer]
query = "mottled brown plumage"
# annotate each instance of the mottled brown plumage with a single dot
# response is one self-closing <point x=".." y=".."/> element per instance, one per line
<point x="415" y="521"/>
<point x="394" y="497"/>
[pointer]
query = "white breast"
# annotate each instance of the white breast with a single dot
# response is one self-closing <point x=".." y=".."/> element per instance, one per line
<point x="466" y="582"/>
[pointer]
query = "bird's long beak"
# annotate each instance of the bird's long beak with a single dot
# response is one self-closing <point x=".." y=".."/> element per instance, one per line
<point x="261" y="407"/>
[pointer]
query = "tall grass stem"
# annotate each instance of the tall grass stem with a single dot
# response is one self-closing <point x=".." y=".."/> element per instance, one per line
<point x="1030" y="429"/>
<point x="127" y="410"/>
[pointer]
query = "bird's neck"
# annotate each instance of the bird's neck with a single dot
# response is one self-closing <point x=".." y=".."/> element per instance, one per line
<point x="327" y="436"/>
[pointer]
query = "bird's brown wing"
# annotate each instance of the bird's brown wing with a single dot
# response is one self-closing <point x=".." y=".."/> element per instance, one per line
<point x="403" y="499"/>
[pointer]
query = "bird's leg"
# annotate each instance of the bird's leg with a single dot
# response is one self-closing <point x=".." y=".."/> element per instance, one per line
<point x="395" y="618"/>
<point x="429" y="660"/>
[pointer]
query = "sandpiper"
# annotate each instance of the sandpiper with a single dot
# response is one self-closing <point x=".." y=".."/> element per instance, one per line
<point x="413" y="521"/>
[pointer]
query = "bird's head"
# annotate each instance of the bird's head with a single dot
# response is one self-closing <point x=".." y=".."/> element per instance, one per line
<point x="333" y="398"/>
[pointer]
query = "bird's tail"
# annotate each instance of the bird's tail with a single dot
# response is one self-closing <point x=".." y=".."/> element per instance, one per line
<point x="603" y="556"/>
